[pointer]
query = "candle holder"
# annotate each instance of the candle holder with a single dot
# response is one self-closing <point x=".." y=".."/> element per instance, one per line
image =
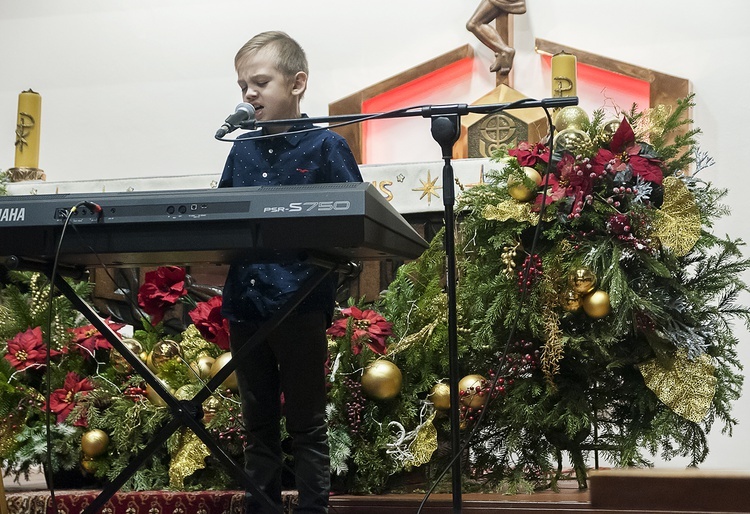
<point x="24" y="173"/>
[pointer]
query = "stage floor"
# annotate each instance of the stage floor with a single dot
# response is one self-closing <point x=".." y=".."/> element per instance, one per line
<point x="32" y="497"/>
<point x="613" y="492"/>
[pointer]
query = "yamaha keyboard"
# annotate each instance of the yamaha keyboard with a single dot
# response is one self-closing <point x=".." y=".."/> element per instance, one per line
<point x="340" y="222"/>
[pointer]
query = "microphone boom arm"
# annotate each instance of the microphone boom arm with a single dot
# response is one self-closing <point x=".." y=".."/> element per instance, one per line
<point x="423" y="111"/>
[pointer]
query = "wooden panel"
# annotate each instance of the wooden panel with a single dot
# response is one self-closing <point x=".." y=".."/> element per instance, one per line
<point x="3" y="500"/>
<point x="673" y="490"/>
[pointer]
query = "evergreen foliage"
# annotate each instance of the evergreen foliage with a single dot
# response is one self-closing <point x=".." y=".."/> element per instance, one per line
<point x="562" y="383"/>
<point x="621" y="208"/>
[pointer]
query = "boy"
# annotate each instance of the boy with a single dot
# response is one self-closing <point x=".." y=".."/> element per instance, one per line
<point x="272" y="73"/>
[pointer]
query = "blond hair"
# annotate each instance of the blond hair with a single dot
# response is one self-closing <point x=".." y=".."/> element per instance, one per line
<point x="290" y="57"/>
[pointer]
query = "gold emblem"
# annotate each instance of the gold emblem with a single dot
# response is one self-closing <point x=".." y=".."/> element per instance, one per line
<point x="495" y="132"/>
<point x="23" y="129"/>
<point x="561" y="85"/>
<point x="428" y="188"/>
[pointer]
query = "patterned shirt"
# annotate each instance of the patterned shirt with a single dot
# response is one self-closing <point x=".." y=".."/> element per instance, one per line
<point x="254" y="291"/>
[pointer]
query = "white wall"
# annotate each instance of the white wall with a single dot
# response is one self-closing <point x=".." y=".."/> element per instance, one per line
<point x="136" y="88"/>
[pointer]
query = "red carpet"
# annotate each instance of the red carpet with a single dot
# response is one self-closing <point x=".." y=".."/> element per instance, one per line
<point x="151" y="502"/>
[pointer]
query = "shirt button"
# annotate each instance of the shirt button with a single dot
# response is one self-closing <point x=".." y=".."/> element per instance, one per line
<point x="270" y="150"/>
<point x="265" y="174"/>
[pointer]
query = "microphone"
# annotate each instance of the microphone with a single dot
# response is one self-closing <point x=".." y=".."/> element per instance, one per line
<point x="242" y="112"/>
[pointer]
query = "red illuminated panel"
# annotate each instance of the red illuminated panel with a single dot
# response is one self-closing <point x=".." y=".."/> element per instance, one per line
<point x="400" y="140"/>
<point x="388" y="140"/>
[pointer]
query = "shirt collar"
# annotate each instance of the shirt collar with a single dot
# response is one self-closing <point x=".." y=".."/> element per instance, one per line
<point x="294" y="135"/>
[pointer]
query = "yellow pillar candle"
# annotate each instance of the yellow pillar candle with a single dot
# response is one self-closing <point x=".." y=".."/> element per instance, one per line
<point x="564" y="75"/>
<point x="27" y="129"/>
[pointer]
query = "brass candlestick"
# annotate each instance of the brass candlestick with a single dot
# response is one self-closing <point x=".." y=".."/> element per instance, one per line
<point x="21" y="174"/>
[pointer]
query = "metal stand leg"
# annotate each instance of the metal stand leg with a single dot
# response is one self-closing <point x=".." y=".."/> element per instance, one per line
<point x="185" y="412"/>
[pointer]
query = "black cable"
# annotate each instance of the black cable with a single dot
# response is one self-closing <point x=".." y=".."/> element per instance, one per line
<point x="133" y="304"/>
<point x="414" y="111"/>
<point x="513" y="327"/>
<point x="396" y="113"/>
<point x="526" y="271"/>
<point x="318" y="128"/>
<point x="48" y="360"/>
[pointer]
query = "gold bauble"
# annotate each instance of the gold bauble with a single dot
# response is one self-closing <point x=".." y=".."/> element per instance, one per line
<point x="118" y="362"/>
<point x="154" y="397"/>
<point x="440" y="396"/>
<point x="150" y="363"/>
<point x="187" y="391"/>
<point x="89" y="465"/>
<point x="382" y="380"/>
<point x="469" y="389"/>
<point x="231" y="381"/>
<point x="596" y="305"/>
<point x="94" y="442"/>
<point x="570" y="301"/>
<point x="210" y="407"/>
<point x="518" y="190"/>
<point x="201" y="367"/>
<point x="582" y="280"/>
<point x="533" y="175"/>
<point x="163" y="352"/>
<point x="609" y="129"/>
<point x="571" y="139"/>
<point x="571" y="116"/>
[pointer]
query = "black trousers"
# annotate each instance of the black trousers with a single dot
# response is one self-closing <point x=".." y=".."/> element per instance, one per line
<point x="290" y="361"/>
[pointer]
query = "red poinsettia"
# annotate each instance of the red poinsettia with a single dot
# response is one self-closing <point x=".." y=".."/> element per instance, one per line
<point x="63" y="401"/>
<point x="162" y="289"/>
<point x="27" y="350"/>
<point x="574" y="179"/>
<point x="529" y="155"/>
<point x="88" y="339"/>
<point x="624" y="153"/>
<point x="369" y="327"/>
<point x="208" y="320"/>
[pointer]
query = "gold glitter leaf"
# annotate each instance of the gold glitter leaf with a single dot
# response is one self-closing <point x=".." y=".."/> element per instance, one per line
<point x="418" y="337"/>
<point x="511" y="209"/>
<point x="652" y="122"/>
<point x="685" y="386"/>
<point x="187" y="459"/>
<point x="193" y="345"/>
<point x="553" y="348"/>
<point x="424" y="444"/>
<point x="678" y="222"/>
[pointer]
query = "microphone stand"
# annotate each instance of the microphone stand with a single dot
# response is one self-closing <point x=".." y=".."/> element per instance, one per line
<point x="445" y="129"/>
<point x="426" y="111"/>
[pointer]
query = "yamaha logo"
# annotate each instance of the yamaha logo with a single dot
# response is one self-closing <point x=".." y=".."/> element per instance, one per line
<point x="13" y="214"/>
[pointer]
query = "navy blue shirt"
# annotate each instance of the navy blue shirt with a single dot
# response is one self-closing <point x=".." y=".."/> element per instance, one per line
<point x="254" y="291"/>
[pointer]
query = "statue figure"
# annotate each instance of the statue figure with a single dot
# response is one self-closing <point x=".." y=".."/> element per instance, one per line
<point x="481" y="25"/>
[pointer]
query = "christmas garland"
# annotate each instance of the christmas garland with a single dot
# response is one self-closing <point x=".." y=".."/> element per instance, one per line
<point x="595" y="310"/>
<point x="104" y="413"/>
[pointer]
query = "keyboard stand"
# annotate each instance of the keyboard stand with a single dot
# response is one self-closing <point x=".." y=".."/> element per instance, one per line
<point x="186" y="412"/>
